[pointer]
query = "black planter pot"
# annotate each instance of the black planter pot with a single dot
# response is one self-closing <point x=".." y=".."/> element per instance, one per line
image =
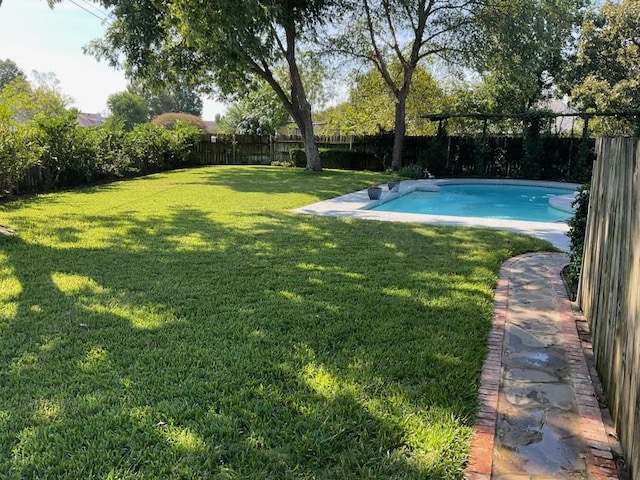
<point x="393" y="184"/>
<point x="374" y="193"/>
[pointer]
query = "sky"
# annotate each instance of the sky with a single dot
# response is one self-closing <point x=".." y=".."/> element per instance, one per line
<point x="38" y="38"/>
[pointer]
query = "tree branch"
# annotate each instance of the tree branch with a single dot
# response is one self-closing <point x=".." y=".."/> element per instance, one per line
<point x="379" y="60"/>
<point x="394" y="39"/>
<point x="263" y="70"/>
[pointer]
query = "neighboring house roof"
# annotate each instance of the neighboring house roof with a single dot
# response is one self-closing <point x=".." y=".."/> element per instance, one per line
<point x="557" y="105"/>
<point x="90" y="119"/>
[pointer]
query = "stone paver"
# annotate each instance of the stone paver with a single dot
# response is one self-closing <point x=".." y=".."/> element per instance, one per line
<point x="538" y="417"/>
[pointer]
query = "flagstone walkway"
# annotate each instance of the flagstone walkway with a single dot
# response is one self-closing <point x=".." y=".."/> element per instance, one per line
<point x="539" y="417"/>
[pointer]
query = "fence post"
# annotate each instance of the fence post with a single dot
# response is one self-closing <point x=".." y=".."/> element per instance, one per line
<point x="272" y="148"/>
<point x="233" y="148"/>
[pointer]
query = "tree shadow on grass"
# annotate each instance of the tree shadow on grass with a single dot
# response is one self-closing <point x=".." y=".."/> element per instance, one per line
<point x="290" y="180"/>
<point x="181" y="347"/>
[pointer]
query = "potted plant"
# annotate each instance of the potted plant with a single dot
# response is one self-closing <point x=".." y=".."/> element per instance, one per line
<point x="393" y="184"/>
<point x="374" y="191"/>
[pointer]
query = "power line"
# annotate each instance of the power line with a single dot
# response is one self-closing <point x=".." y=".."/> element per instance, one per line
<point x="101" y="18"/>
<point x="96" y="9"/>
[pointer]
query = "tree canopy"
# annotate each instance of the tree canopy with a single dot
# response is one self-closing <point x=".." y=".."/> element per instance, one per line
<point x="259" y="112"/>
<point x="523" y="45"/>
<point x="127" y="110"/>
<point x="607" y="71"/>
<point x="370" y="107"/>
<point x="220" y="45"/>
<point x="406" y="33"/>
<point x="9" y="71"/>
<point x="177" y="97"/>
<point x="25" y="102"/>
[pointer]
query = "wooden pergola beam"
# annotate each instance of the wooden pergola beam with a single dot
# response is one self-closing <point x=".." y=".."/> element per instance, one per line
<point x="438" y="117"/>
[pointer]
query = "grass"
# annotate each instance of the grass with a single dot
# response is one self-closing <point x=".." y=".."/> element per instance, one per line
<point x="187" y="325"/>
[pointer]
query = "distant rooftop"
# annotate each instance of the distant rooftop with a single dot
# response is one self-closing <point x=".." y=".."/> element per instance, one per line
<point x="91" y="119"/>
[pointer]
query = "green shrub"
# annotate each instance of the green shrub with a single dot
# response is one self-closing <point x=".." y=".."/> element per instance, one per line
<point x="411" y="171"/>
<point x="336" y="158"/>
<point x="182" y="140"/>
<point x="147" y="147"/>
<point x="54" y="151"/>
<point x="66" y="155"/>
<point x="171" y="120"/>
<point x="343" y="159"/>
<point x="85" y="166"/>
<point x="577" y="231"/>
<point x="18" y="152"/>
<point x="437" y="153"/>
<point x="298" y="157"/>
<point x="110" y="153"/>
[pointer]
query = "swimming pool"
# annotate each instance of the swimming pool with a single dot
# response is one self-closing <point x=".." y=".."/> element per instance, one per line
<point x="494" y="201"/>
<point x="357" y="205"/>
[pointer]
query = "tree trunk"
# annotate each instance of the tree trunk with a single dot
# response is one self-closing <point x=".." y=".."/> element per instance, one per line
<point x="300" y="106"/>
<point x="314" y="164"/>
<point x="400" y="130"/>
<point x="301" y="113"/>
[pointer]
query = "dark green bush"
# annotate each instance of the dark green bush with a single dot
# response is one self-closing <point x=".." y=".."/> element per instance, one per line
<point x="343" y="159"/>
<point x="577" y="230"/>
<point x="110" y="153"/>
<point x="18" y="153"/>
<point x="147" y="145"/>
<point x="336" y="158"/>
<point x="182" y="140"/>
<point x="53" y="152"/>
<point x="298" y="157"/>
<point x="435" y="160"/>
<point x="411" y="171"/>
<point x="66" y="154"/>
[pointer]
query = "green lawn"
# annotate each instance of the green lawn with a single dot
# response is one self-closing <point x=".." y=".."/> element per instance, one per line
<point x="187" y="325"/>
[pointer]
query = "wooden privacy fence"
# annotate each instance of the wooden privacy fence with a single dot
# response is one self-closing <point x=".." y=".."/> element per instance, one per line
<point x="609" y="290"/>
<point x="559" y="158"/>
<point x="257" y="149"/>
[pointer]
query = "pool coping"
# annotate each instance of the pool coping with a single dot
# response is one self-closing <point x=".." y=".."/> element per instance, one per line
<point x="355" y="205"/>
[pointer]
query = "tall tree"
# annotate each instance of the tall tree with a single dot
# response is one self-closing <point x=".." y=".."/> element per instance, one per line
<point x="607" y="70"/>
<point x="523" y="46"/>
<point x="403" y="32"/>
<point x="260" y="112"/>
<point x="26" y="102"/>
<point x="127" y="110"/>
<point x="219" y="44"/>
<point x="9" y="71"/>
<point x="178" y="97"/>
<point x="370" y="107"/>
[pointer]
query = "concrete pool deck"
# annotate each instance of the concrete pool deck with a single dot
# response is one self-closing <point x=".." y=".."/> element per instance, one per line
<point x="355" y="205"/>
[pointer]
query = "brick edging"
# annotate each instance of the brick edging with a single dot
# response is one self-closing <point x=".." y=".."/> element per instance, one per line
<point x="481" y="452"/>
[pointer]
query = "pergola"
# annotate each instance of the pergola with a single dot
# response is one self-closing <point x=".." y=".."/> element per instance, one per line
<point x="535" y="115"/>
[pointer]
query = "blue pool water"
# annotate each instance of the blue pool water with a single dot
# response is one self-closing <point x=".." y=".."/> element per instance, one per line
<point x="509" y="202"/>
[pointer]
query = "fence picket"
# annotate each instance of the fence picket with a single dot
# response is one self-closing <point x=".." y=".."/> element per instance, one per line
<point x="451" y="156"/>
<point x="609" y="289"/>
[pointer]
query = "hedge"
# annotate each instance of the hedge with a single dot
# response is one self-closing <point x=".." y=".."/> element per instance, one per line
<point x="337" y="158"/>
<point x="53" y="152"/>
